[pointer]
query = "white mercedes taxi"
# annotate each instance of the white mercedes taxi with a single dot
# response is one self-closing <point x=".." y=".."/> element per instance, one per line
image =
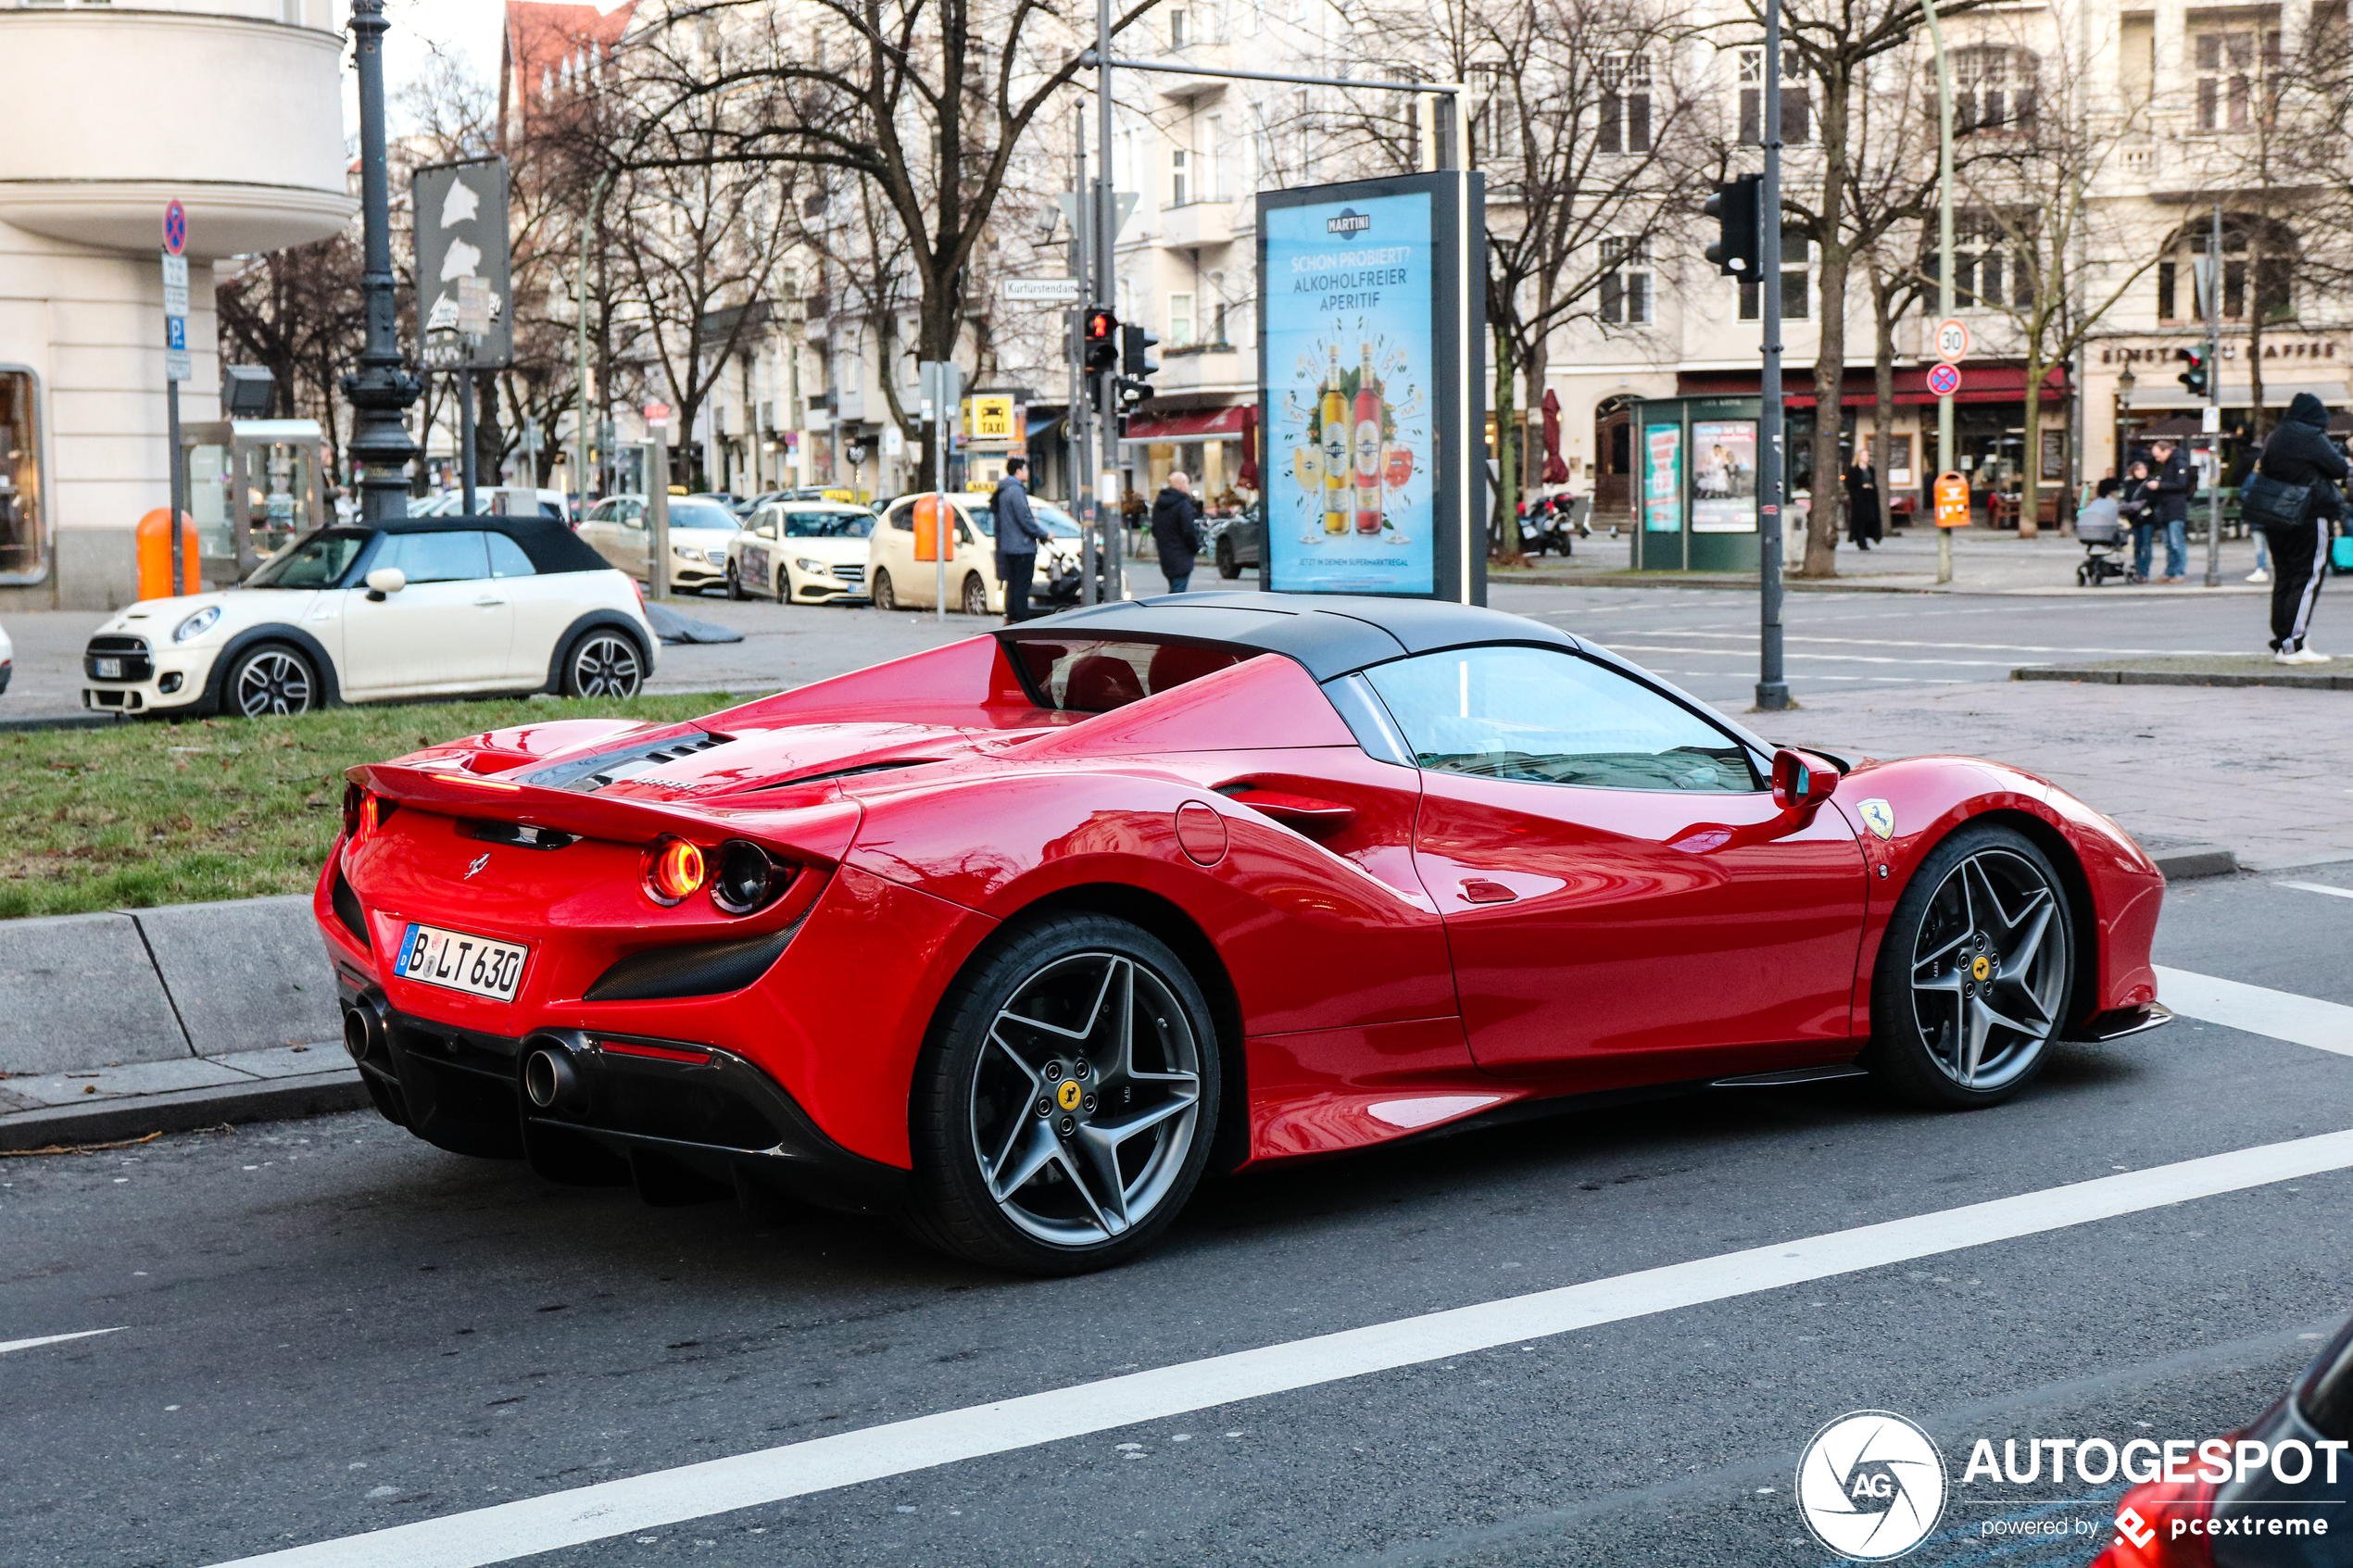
<point x="801" y="552"/>
<point x="419" y="606"/>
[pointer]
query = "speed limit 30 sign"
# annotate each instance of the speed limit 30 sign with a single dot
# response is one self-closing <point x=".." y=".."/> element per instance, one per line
<point x="1952" y="339"/>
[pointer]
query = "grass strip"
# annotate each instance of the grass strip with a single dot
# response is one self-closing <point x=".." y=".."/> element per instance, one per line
<point x="150" y="813"/>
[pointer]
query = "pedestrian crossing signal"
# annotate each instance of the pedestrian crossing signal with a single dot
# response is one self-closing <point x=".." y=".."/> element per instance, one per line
<point x="1102" y="341"/>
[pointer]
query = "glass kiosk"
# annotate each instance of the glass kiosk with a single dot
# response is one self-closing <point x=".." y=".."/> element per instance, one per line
<point x="253" y="485"/>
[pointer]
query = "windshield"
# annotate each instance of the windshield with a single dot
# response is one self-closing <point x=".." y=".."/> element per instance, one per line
<point x="1059" y="523"/>
<point x="318" y="561"/>
<point x="688" y="513"/>
<point x="828" y="525"/>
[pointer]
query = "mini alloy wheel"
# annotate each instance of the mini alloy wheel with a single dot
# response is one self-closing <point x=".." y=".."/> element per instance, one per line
<point x="1066" y="1113"/>
<point x="604" y="664"/>
<point x="975" y="594"/>
<point x="885" y="596"/>
<point x="270" y="679"/>
<point x="1976" y="974"/>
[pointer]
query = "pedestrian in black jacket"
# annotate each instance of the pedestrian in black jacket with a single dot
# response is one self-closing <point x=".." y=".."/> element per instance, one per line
<point x="1018" y="535"/>
<point x="1862" y="503"/>
<point x="2172" y="483"/>
<point x="1177" y="531"/>
<point x="2300" y="453"/>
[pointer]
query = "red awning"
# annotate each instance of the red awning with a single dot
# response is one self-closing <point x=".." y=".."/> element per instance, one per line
<point x="1199" y="424"/>
<point x="1980" y="384"/>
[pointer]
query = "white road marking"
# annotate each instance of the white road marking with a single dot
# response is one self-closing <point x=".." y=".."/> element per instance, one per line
<point x="695" y="1491"/>
<point x="2302" y="1021"/>
<point x="2320" y="886"/>
<point x="8" y="1344"/>
<point x="1980" y="647"/>
<point x="1830" y="657"/>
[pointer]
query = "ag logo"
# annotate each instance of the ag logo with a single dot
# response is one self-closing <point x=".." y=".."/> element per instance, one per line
<point x="1069" y="1094"/>
<point x="1878" y="816"/>
<point x="1871" y="1485"/>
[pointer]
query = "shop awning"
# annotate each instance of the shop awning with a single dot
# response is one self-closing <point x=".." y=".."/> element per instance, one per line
<point x="1196" y="424"/>
<point x="2235" y="394"/>
<point x="1980" y="384"/>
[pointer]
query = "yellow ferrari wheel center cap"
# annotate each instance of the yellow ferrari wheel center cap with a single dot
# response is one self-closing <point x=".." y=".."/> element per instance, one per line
<point x="1068" y="1095"/>
<point x="1983" y="968"/>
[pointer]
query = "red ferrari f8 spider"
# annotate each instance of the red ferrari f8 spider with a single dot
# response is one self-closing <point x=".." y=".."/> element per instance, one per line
<point x="1016" y="938"/>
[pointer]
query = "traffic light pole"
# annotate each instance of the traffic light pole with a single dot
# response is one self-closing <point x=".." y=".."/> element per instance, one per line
<point x="1943" y="272"/>
<point x="1107" y="482"/>
<point x="1772" y="689"/>
<point x="2214" y="401"/>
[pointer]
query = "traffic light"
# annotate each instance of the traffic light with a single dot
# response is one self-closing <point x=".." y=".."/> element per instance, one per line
<point x="1734" y="208"/>
<point x="1102" y="341"/>
<point x="1137" y="365"/>
<point x="2195" y="376"/>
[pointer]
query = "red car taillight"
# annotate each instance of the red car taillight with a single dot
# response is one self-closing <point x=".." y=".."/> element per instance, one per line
<point x="674" y="870"/>
<point x="2145" y="1535"/>
<point x="363" y="813"/>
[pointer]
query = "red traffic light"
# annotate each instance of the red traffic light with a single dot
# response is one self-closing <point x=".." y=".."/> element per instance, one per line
<point x="1103" y="340"/>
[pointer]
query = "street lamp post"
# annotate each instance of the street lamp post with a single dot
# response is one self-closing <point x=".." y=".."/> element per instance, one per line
<point x="382" y="389"/>
<point x="2123" y="414"/>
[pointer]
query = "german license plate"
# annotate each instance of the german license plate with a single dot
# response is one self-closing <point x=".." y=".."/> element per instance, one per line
<point x="109" y="669"/>
<point x="458" y="960"/>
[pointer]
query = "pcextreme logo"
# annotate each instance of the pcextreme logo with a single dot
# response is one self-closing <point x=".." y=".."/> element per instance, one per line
<point x="1871" y="1485"/>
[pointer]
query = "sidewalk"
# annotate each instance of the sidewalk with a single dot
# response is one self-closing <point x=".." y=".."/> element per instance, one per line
<point x="1983" y="562"/>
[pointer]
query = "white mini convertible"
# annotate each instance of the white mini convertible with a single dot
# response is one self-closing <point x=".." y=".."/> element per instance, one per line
<point x="418" y="607"/>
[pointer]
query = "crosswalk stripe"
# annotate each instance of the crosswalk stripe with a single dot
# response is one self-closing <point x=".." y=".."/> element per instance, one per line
<point x="8" y="1344"/>
<point x="2281" y="1015"/>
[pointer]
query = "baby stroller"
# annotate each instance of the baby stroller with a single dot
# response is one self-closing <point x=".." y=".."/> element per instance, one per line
<point x="2104" y="540"/>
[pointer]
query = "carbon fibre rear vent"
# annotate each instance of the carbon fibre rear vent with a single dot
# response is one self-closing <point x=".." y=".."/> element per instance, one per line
<point x="347" y="908"/>
<point x="700" y="968"/>
<point x="586" y="775"/>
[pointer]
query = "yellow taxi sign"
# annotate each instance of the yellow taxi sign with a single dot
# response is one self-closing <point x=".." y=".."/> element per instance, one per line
<point x="991" y="418"/>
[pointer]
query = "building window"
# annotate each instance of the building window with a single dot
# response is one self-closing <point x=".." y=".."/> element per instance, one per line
<point x="1989" y="264"/>
<point x="1177" y="27"/>
<point x="24" y="554"/>
<point x="1625" y="103"/>
<point x="1797" y="104"/>
<point x="1179" y="186"/>
<point x="1796" y="247"/>
<point x="2258" y="254"/>
<point x="1180" y="320"/>
<point x="2230" y="68"/>
<point x="1994" y="88"/>
<point x="1626" y="282"/>
<point x="1211" y="174"/>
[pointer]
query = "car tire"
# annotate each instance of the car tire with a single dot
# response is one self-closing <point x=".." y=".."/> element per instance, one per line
<point x="604" y="661"/>
<point x="1976" y="974"/>
<point x="784" y="585"/>
<point x="1036" y="1021"/>
<point x="735" y="583"/>
<point x="974" y="598"/>
<point x="1227" y="567"/>
<point x="885" y="596"/>
<point x="269" y="680"/>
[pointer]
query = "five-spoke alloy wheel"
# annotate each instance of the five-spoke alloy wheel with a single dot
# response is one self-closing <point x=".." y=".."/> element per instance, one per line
<point x="1976" y="974"/>
<point x="1064" y="1110"/>
<point x="272" y="679"/>
<point x="604" y="663"/>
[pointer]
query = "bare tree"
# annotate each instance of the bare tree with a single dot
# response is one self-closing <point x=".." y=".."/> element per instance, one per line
<point x="298" y="313"/>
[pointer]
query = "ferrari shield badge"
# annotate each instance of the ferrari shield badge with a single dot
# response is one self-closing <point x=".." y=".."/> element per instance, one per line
<point x="1879" y="816"/>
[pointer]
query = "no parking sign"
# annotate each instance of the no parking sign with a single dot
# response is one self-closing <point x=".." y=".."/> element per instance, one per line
<point x="1944" y="380"/>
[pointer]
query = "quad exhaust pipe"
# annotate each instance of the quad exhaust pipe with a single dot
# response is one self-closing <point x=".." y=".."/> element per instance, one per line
<point x="551" y="1079"/>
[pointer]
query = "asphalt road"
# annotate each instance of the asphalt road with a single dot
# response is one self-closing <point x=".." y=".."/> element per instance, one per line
<point x="1705" y="640"/>
<point x="328" y="1328"/>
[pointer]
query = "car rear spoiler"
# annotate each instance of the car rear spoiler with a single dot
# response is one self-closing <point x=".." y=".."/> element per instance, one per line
<point x="811" y="823"/>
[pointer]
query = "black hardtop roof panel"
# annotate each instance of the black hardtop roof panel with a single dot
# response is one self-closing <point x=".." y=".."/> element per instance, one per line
<point x="1331" y="635"/>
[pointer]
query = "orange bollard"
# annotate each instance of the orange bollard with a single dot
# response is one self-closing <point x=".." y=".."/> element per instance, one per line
<point x="154" y="554"/>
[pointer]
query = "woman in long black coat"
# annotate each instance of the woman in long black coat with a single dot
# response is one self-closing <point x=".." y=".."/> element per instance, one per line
<point x="1862" y="503"/>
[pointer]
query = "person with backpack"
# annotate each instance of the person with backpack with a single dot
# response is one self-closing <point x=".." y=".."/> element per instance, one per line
<point x="1018" y="535"/>
<point x="2292" y="496"/>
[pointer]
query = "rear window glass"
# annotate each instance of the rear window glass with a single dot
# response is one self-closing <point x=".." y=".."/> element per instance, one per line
<point x="1095" y="675"/>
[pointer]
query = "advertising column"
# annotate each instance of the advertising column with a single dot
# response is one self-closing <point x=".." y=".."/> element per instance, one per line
<point x="1369" y="371"/>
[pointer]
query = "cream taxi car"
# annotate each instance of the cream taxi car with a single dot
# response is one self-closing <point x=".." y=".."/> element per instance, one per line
<point x="800" y="552"/>
<point x="420" y="606"/>
<point x="619" y="529"/>
<point x="896" y="580"/>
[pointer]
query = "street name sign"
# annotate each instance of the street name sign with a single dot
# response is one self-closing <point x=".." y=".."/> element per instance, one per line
<point x="1951" y="338"/>
<point x="1944" y="380"/>
<point x="1044" y="291"/>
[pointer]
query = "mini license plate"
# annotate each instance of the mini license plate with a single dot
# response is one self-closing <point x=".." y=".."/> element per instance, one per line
<point x="109" y="669"/>
<point x="458" y="960"/>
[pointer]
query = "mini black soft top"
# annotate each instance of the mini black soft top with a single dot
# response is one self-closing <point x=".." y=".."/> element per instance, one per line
<point x="550" y="544"/>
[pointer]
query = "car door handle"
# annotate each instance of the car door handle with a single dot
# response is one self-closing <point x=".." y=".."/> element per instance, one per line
<point x="1479" y="890"/>
<point x="486" y="602"/>
<point x="1317" y="819"/>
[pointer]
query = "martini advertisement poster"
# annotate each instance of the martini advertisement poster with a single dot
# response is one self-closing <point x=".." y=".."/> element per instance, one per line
<point x="1352" y="488"/>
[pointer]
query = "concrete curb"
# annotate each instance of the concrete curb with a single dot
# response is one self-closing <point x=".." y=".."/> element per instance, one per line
<point x="2186" y="863"/>
<point x="314" y="1093"/>
<point x="2184" y="678"/>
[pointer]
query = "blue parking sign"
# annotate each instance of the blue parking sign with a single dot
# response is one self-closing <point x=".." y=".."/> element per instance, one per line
<point x="175" y="334"/>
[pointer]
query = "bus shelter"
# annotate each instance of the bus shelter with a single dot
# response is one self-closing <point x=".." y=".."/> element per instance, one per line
<point x="1695" y="483"/>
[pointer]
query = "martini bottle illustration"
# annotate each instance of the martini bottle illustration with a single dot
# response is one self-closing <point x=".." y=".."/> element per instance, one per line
<point x="1369" y="451"/>
<point x="1334" y="431"/>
